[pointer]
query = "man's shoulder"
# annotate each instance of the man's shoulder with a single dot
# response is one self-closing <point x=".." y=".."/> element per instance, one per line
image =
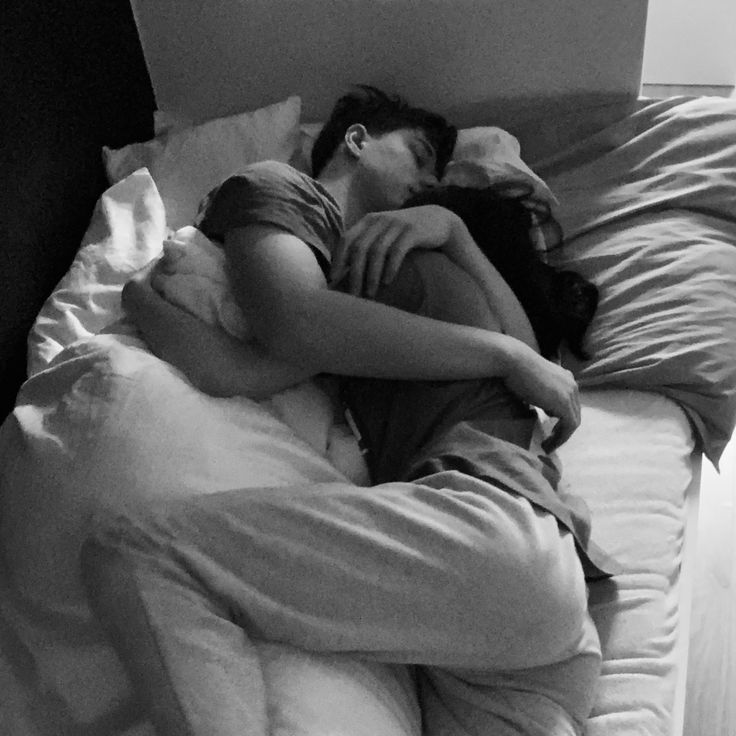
<point x="275" y="172"/>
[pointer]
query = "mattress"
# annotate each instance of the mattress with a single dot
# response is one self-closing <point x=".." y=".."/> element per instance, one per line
<point x="632" y="462"/>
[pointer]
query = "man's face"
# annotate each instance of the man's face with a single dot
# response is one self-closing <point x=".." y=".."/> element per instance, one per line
<point x="393" y="166"/>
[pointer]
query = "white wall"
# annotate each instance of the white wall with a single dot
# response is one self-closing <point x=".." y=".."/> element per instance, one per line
<point x="690" y="42"/>
<point x="213" y="57"/>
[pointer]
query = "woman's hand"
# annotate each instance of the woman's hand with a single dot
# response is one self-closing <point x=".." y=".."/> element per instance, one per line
<point x="547" y="385"/>
<point x="373" y="250"/>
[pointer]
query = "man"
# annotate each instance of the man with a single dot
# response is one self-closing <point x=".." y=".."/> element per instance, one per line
<point x="467" y="578"/>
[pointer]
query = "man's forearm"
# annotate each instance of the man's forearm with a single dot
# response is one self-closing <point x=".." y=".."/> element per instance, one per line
<point x="338" y="333"/>
<point x="212" y="360"/>
<point x="282" y="291"/>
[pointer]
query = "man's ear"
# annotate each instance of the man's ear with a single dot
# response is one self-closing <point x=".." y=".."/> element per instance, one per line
<point x="355" y="138"/>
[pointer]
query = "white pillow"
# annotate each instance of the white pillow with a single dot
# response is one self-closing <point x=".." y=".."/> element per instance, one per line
<point x="482" y="156"/>
<point x="485" y="156"/>
<point x="187" y="162"/>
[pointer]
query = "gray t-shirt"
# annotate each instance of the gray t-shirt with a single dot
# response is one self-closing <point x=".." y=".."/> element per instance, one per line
<point x="274" y="193"/>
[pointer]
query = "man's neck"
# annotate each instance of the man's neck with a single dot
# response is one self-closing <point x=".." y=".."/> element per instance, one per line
<point x="338" y="183"/>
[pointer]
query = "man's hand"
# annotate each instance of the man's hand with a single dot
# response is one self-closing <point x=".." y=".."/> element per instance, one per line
<point x="550" y="387"/>
<point x="373" y="250"/>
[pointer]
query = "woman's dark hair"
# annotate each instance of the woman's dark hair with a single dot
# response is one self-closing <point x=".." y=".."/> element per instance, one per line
<point x="380" y="113"/>
<point x="503" y="220"/>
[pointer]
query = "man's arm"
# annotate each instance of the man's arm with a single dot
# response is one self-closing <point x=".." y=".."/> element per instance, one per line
<point x="214" y="361"/>
<point x="284" y="295"/>
<point x="374" y="248"/>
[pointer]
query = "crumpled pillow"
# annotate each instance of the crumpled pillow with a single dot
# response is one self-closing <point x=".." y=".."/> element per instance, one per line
<point x="486" y="156"/>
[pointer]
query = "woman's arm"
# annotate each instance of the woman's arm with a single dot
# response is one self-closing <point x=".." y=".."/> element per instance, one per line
<point x="214" y="361"/>
<point x="375" y="247"/>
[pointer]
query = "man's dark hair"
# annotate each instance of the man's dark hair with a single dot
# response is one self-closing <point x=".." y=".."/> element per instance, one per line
<point x="560" y="304"/>
<point x="381" y="113"/>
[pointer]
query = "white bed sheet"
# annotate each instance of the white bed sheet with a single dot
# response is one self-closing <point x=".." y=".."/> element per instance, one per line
<point x="632" y="462"/>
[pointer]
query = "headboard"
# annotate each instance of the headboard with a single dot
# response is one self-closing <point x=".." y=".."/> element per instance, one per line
<point x="478" y="61"/>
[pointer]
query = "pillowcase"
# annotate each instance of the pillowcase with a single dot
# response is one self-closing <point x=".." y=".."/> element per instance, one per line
<point x="186" y="162"/>
<point x="482" y="156"/>
<point x="653" y="224"/>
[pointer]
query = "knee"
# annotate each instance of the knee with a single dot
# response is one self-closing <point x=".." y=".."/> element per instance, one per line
<point x="561" y="599"/>
<point x="547" y="594"/>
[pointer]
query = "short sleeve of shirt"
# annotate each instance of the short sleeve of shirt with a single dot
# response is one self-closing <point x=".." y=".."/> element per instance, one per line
<point x="273" y="193"/>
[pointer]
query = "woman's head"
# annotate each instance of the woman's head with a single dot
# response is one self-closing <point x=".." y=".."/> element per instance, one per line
<point x="503" y="220"/>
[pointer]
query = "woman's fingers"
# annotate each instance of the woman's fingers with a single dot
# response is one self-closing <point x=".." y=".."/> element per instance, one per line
<point x="550" y="387"/>
<point x="365" y="253"/>
<point x="568" y="415"/>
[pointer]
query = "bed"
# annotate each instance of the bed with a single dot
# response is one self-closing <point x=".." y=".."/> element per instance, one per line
<point x="644" y="191"/>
